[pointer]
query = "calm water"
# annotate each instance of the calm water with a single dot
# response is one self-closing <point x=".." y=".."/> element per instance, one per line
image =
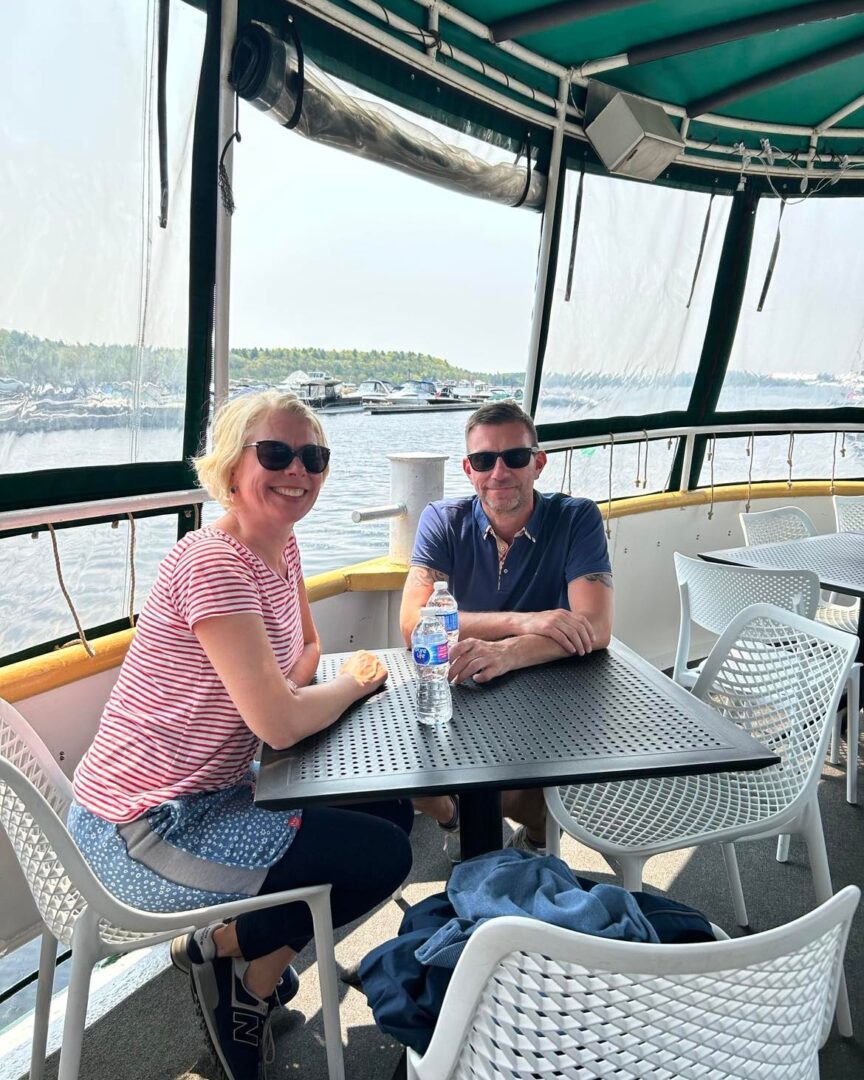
<point x="95" y="561"/>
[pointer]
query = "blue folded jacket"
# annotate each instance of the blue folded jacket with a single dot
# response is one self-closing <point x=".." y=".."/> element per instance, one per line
<point x="405" y="979"/>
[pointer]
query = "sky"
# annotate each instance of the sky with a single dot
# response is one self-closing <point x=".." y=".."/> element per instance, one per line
<point x="335" y="251"/>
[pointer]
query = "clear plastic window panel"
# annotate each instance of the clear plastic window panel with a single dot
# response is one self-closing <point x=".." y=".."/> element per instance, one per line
<point x="815" y="456"/>
<point x="586" y="470"/>
<point x="376" y="260"/>
<point x="628" y="322"/>
<point x="331" y="252"/>
<point x="93" y="293"/>
<point x="98" y="571"/>
<point x="805" y="347"/>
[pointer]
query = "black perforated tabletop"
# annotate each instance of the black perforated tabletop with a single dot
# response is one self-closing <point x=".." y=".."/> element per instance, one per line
<point x="608" y="716"/>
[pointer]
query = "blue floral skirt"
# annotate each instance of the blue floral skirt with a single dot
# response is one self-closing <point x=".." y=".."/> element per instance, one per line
<point x="192" y="851"/>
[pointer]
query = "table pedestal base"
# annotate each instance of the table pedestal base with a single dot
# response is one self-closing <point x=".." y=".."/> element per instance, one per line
<point x="480" y="821"/>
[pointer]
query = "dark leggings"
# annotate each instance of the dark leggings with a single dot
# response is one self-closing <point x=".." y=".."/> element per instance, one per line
<point x="363" y="851"/>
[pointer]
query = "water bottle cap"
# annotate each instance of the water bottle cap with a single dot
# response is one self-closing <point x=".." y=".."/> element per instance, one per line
<point x="440" y="586"/>
<point x="431" y="611"/>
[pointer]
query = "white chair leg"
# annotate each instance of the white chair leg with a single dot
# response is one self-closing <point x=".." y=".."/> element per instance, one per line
<point x="553" y="836"/>
<point x="630" y="871"/>
<point x="322" y="922"/>
<point x="783" y="847"/>
<point x="834" y="749"/>
<point x="815" y="837"/>
<point x="85" y="953"/>
<point x="44" y="990"/>
<point x="734" y="875"/>
<point x="853" y="716"/>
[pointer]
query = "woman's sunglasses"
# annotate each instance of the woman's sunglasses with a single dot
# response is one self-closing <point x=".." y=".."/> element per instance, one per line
<point x="517" y="458"/>
<point x="275" y="455"/>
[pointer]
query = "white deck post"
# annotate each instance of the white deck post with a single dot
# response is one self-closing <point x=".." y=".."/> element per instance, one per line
<point x="415" y="479"/>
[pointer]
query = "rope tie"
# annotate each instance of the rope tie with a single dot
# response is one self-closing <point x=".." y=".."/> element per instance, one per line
<point x="609" y="501"/>
<point x="225" y="191"/>
<point x="526" y="149"/>
<point x="789" y="455"/>
<point x="711" y="463"/>
<point x="131" y="570"/>
<point x="567" y="473"/>
<point x="577" y="217"/>
<point x="705" y="225"/>
<point x="645" y="474"/>
<point x="843" y="445"/>
<point x="750" y="448"/>
<point x="638" y="480"/>
<point x="82" y="637"/>
<point x="834" y="463"/>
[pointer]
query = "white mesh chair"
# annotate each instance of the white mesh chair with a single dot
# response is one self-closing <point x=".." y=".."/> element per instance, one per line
<point x="712" y="594"/>
<point x="530" y="1000"/>
<point x="792" y="523"/>
<point x="776" y="675"/>
<point x="849" y="513"/>
<point x="772" y="526"/>
<point x="77" y="910"/>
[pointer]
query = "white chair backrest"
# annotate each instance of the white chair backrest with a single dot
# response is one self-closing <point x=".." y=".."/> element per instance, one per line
<point x="528" y="999"/>
<point x="849" y="513"/>
<point x="34" y="798"/>
<point x="779" y="676"/>
<point x="772" y="526"/>
<point x="22" y="747"/>
<point x="712" y="594"/>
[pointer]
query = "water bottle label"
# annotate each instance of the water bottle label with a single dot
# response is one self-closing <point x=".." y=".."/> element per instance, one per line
<point x="450" y="620"/>
<point x="430" y="655"/>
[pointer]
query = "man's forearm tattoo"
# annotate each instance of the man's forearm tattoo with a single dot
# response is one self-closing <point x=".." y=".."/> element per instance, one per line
<point x="604" y="579"/>
<point x="424" y="575"/>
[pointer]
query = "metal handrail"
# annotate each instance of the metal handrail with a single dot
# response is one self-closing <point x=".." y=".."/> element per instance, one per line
<point x="41" y="516"/>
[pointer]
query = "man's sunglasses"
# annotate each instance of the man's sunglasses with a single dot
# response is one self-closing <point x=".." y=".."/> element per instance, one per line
<point x="517" y="458"/>
<point x="275" y="455"/>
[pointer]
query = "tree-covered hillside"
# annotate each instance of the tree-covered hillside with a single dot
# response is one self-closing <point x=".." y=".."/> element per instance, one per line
<point x="39" y="362"/>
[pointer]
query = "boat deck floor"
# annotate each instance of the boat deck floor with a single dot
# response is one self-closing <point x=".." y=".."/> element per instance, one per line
<point x="153" y="1034"/>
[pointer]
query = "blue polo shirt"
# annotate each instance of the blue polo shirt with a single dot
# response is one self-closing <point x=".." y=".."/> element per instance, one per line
<point x="563" y="540"/>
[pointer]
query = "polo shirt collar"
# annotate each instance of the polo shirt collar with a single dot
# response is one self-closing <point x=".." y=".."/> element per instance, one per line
<point x="531" y="529"/>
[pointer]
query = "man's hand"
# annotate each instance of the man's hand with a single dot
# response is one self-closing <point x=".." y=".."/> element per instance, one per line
<point x="478" y="660"/>
<point x="572" y="631"/>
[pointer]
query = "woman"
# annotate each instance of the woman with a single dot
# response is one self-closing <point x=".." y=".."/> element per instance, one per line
<point x="224" y="654"/>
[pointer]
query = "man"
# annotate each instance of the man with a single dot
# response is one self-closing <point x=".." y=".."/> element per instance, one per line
<point x="530" y="573"/>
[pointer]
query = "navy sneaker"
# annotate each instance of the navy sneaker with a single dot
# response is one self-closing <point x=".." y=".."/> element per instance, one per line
<point x="199" y="948"/>
<point x="234" y="1019"/>
<point x="195" y="948"/>
<point x="286" y="989"/>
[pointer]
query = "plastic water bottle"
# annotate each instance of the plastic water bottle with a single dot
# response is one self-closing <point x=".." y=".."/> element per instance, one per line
<point x="431" y="663"/>
<point x="446" y="610"/>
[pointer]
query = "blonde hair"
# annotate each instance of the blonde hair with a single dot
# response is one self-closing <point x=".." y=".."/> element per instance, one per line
<point x="231" y="428"/>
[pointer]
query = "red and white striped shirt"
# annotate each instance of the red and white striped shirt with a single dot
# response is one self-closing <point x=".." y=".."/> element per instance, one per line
<point x="169" y="727"/>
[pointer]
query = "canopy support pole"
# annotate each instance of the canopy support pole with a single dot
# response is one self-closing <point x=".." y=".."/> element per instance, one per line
<point x="222" y="304"/>
<point x="544" y="256"/>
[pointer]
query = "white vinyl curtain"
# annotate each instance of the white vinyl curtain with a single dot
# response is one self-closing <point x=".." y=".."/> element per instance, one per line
<point x="93" y="293"/>
<point x="805" y="348"/>
<point x="628" y="339"/>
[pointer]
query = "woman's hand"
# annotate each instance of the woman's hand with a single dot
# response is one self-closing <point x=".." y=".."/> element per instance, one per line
<point x="366" y="670"/>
